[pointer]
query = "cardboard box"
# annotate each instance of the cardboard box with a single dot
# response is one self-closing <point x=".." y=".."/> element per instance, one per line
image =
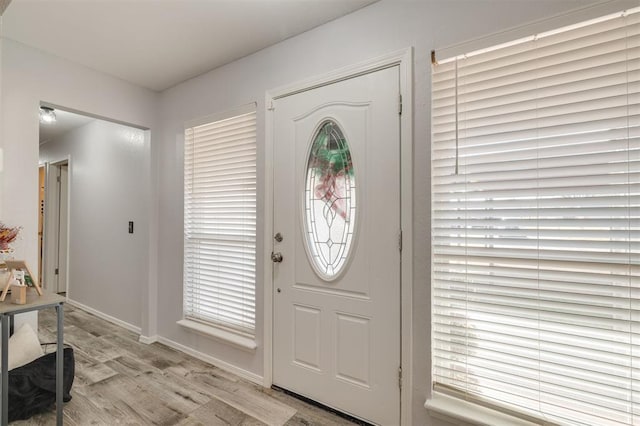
<point x="19" y="294"/>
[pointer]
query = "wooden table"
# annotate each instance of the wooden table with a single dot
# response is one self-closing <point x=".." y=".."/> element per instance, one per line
<point x="7" y="311"/>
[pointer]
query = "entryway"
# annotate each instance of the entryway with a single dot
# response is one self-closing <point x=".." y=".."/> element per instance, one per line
<point x="337" y="245"/>
<point x="96" y="240"/>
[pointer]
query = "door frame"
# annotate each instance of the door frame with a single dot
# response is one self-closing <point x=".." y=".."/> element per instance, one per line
<point x="404" y="60"/>
<point x="54" y="242"/>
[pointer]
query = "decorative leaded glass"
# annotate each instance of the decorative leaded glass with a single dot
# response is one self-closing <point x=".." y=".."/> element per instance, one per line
<point x="330" y="201"/>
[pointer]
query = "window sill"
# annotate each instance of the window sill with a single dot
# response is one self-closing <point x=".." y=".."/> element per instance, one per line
<point x="221" y="334"/>
<point x="462" y="412"/>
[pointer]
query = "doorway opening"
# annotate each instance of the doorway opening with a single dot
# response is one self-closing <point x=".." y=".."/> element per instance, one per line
<point x="54" y="226"/>
<point x="94" y="209"/>
<point x="56" y="128"/>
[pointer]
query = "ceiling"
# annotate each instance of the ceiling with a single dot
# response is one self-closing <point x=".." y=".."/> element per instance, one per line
<point x="65" y="122"/>
<point x="159" y="43"/>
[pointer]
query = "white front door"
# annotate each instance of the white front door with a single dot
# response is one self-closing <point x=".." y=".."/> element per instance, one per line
<point x="337" y="210"/>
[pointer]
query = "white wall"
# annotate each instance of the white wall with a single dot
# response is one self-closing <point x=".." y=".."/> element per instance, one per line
<point x="1" y="123"/>
<point x="30" y="76"/>
<point x="31" y="317"/>
<point x="373" y="31"/>
<point x="106" y="190"/>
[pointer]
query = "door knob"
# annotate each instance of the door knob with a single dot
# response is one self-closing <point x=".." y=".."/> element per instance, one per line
<point x="276" y="257"/>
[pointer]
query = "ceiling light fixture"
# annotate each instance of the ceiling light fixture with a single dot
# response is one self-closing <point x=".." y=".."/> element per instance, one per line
<point x="47" y="115"/>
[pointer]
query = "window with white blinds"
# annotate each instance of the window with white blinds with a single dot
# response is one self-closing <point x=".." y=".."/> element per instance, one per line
<point x="536" y="224"/>
<point x="220" y="222"/>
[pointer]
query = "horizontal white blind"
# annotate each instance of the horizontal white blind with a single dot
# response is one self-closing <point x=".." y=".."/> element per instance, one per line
<point x="536" y="224"/>
<point x="220" y="222"/>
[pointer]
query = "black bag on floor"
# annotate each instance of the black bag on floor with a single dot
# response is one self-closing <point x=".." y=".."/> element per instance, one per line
<point x="32" y="387"/>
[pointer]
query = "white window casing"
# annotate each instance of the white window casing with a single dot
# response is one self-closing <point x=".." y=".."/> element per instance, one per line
<point x="536" y="224"/>
<point x="220" y="222"/>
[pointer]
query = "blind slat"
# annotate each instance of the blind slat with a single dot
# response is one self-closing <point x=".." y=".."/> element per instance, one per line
<point x="536" y="224"/>
<point x="220" y="223"/>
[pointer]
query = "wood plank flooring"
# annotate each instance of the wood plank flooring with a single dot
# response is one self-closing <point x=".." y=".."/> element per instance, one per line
<point x="120" y="381"/>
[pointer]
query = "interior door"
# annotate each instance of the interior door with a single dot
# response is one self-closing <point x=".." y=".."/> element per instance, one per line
<point x="63" y="228"/>
<point x="51" y="228"/>
<point x="336" y="249"/>
<point x="55" y="230"/>
<point x="41" y="182"/>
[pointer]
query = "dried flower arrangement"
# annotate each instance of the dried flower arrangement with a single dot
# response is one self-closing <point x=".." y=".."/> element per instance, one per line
<point x="8" y="235"/>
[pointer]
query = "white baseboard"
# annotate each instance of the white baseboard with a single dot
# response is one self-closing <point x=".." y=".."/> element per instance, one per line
<point x="147" y="340"/>
<point x="105" y="317"/>
<point x="252" y="377"/>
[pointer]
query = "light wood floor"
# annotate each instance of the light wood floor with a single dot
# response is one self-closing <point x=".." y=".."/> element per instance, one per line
<point x="120" y="381"/>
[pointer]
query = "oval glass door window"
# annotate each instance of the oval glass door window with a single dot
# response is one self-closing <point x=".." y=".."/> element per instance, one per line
<point x="329" y="201"/>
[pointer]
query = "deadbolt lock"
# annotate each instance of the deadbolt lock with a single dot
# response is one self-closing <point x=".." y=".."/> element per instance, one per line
<point x="278" y="237"/>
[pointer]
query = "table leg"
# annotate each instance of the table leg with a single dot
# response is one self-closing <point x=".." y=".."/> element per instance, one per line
<point x="59" y="364"/>
<point x="4" y="406"/>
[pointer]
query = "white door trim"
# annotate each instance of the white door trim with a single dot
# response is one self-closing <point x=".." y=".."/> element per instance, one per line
<point x="404" y="59"/>
<point x="47" y="244"/>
